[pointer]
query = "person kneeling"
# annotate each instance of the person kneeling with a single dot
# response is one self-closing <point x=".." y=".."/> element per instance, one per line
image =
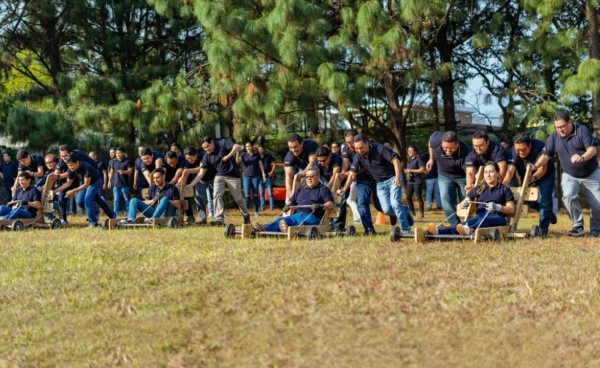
<point x="27" y="200"/>
<point x="311" y="202"/>
<point x="162" y="198"/>
<point x="495" y="203"/>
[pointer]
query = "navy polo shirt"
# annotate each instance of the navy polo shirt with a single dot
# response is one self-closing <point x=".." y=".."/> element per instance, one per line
<point x="85" y="171"/>
<point x="452" y="166"/>
<point x="378" y="162"/>
<point x="327" y="171"/>
<point x="189" y="165"/>
<point x="169" y="190"/>
<point x="309" y="148"/>
<point x="500" y="194"/>
<point x="215" y="160"/>
<point x="495" y="153"/>
<point x="172" y="170"/>
<point x="415" y="164"/>
<point x="267" y="161"/>
<point x="141" y="181"/>
<point x="9" y="172"/>
<point x="537" y="148"/>
<point x="433" y="174"/>
<point x="349" y="154"/>
<point x="31" y="194"/>
<point x="101" y="168"/>
<point x="36" y="161"/>
<point x="119" y="180"/>
<point x="250" y="162"/>
<point x="306" y="196"/>
<point x="574" y="144"/>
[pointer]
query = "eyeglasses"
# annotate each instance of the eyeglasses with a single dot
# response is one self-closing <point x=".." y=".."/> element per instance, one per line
<point x="310" y="176"/>
<point x="321" y="161"/>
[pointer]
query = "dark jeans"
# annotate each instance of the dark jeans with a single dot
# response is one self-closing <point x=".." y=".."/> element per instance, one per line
<point x="544" y="202"/>
<point x="415" y="188"/>
<point x="367" y="189"/>
<point x="250" y="185"/>
<point x="452" y="191"/>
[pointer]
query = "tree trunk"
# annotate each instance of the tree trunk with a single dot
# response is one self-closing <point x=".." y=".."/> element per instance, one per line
<point x="446" y="82"/>
<point x="435" y="109"/>
<point x="594" y="48"/>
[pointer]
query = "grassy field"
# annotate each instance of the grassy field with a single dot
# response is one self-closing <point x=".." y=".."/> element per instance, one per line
<point x="189" y="298"/>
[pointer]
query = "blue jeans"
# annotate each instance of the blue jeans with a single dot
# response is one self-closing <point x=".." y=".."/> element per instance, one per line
<point x="200" y="200"/>
<point x="268" y="184"/>
<point x="209" y="197"/>
<point x="365" y="190"/>
<point x="8" y="213"/>
<point x="294" y="220"/>
<point x="433" y="190"/>
<point x="250" y="184"/>
<point x="492" y="220"/>
<point x="591" y="188"/>
<point x="118" y="193"/>
<point x="158" y="211"/>
<point x="544" y="203"/>
<point x="90" y="199"/>
<point x="450" y="190"/>
<point x="390" y="197"/>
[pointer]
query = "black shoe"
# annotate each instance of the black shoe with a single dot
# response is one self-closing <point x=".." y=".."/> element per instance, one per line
<point x="247" y="220"/>
<point x="216" y="223"/>
<point x="553" y="219"/>
<point x="576" y="231"/>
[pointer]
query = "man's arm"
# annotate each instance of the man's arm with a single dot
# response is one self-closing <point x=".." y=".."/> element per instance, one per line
<point x="178" y="174"/>
<point x="510" y="172"/>
<point x="470" y="170"/>
<point x="198" y="177"/>
<point x="349" y="181"/>
<point x="311" y="162"/>
<point x="176" y="203"/>
<point x="135" y="179"/>
<point x="590" y="152"/>
<point x="111" y="173"/>
<point x="336" y="170"/>
<point x="234" y="150"/>
<point x="289" y="181"/>
<point x="329" y="205"/>
<point x="398" y="171"/>
<point x="541" y="161"/>
<point x="502" y="167"/>
<point x="429" y="164"/>
<point x="66" y="185"/>
<point x="147" y="174"/>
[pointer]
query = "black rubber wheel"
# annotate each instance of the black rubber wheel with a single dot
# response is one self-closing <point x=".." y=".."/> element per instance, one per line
<point x="229" y="231"/>
<point x="105" y="224"/>
<point x="172" y="222"/>
<point x="395" y="233"/>
<point x="312" y="233"/>
<point x="56" y="224"/>
<point x="18" y="225"/>
<point x="351" y="230"/>
<point x="495" y="235"/>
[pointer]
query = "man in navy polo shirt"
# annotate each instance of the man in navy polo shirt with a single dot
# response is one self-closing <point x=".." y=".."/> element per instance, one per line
<point x="192" y="162"/>
<point x="483" y="151"/>
<point x="150" y="161"/>
<point x="575" y="148"/>
<point x="162" y="199"/>
<point x="300" y="157"/>
<point x="221" y="157"/>
<point x="9" y="170"/>
<point x="330" y="164"/>
<point x="118" y="179"/>
<point x="385" y="166"/>
<point x="312" y="199"/>
<point x="139" y="180"/>
<point x="26" y="201"/>
<point x="450" y="155"/>
<point x="34" y="164"/>
<point x="88" y="190"/>
<point x="174" y="166"/>
<point x="527" y="151"/>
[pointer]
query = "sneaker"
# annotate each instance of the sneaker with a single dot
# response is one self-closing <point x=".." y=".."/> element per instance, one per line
<point x="257" y="227"/>
<point x="576" y="231"/>
<point x="247" y="220"/>
<point x="283" y="226"/>
<point x="216" y="223"/>
<point x="431" y="229"/>
<point x="148" y="220"/>
<point x="463" y="230"/>
<point x="357" y="222"/>
<point x="406" y="233"/>
<point x="553" y="219"/>
<point x="126" y="222"/>
<point x="370" y="232"/>
<point x="91" y="226"/>
<point x="255" y="214"/>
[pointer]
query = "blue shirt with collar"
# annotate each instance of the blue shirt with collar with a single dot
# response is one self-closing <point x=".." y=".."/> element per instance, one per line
<point x="36" y="161"/>
<point x="31" y="194"/>
<point x="537" y="149"/>
<point x="119" y="180"/>
<point x="309" y="148"/>
<point x="378" y="162"/>
<point x="500" y="194"/>
<point x="349" y="154"/>
<point x="415" y="164"/>
<point x="215" y="160"/>
<point x="141" y="181"/>
<point x="9" y="172"/>
<point x="574" y="144"/>
<point x="250" y="161"/>
<point x="267" y="161"/>
<point x="169" y="191"/>
<point x="495" y="153"/>
<point x="170" y="171"/>
<point x="85" y="170"/>
<point x="306" y="196"/>
<point x="327" y="171"/>
<point x="452" y="166"/>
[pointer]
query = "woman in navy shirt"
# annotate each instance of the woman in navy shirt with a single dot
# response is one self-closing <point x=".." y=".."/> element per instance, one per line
<point x="26" y="201"/>
<point x="253" y="173"/>
<point x="499" y="203"/>
<point x="415" y="168"/>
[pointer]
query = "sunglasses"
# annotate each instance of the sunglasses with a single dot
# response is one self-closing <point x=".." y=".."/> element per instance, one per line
<point x="310" y="176"/>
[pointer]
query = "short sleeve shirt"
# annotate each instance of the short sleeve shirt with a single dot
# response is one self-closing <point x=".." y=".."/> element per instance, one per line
<point x="433" y="173"/>
<point x="452" y="166"/>
<point x="574" y="144"/>
<point x="141" y="180"/>
<point x="349" y="154"/>
<point x="415" y="164"/>
<point x="250" y="162"/>
<point x="36" y="162"/>
<point x="537" y="149"/>
<point x="172" y="170"/>
<point x="500" y="194"/>
<point x="495" y="153"/>
<point x="9" y="172"/>
<point x="378" y="162"/>
<point x="267" y="161"/>
<point x="215" y="160"/>
<point x="309" y="148"/>
<point x="327" y="171"/>
<point x="306" y="196"/>
<point x="169" y="191"/>
<point x="31" y="194"/>
<point x="85" y="171"/>
<point x="119" y="180"/>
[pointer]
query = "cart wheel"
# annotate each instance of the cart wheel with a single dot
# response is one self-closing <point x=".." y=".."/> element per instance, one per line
<point x="106" y="224"/>
<point x="312" y="233"/>
<point x="172" y="222"/>
<point x="535" y="231"/>
<point x="56" y="224"/>
<point x="17" y="225"/>
<point x="351" y="230"/>
<point x="395" y="233"/>
<point x="230" y="231"/>
<point x="494" y="235"/>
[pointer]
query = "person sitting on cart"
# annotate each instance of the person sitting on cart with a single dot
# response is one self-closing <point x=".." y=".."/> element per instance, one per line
<point x="310" y="201"/>
<point x="162" y="199"/>
<point x="495" y="202"/>
<point x="26" y="201"/>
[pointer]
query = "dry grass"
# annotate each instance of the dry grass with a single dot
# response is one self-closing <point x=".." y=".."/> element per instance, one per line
<point x="188" y="297"/>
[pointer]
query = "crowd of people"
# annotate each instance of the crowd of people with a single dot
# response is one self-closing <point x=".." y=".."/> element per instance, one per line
<point x="370" y="173"/>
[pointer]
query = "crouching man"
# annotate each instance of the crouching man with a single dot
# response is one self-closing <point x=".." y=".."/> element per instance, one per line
<point x="311" y="201"/>
<point x="162" y="199"/>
